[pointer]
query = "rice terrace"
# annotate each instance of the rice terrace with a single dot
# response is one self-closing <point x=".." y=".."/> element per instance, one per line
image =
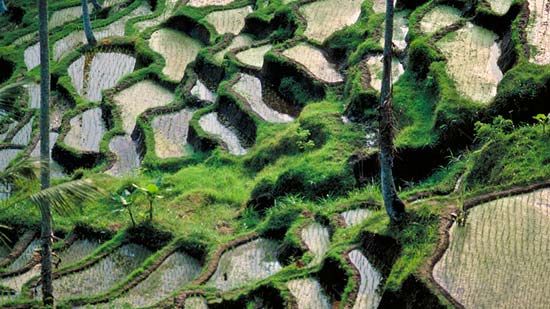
<point x="304" y="154"/>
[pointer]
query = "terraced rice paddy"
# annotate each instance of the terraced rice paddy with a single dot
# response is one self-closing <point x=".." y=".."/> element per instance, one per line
<point x="239" y="41"/>
<point x="33" y="90"/>
<point x="538" y="31"/>
<point x="495" y="260"/>
<point x="246" y="264"/>
<point x="25" y="257"/>
<point x="177" y="270"/>
<point x="23" y="136"/>
<point x="315" y="62"/>
<point x="501" y="7"/>
<point x="355" y="216"/>
<point x="167" y="13"/>
<point x="86" y="131"/>
<point x="202" y="92"/>
<point x="472" y="54"/>
<point x="105" y="70"/>
<point x="101" y="276"/>
<point x="138" y="98"/>
<point x="32" y="56"/>
<point x="367" y="295"/>
<point x="201" y="3"/>
<point x="6" y="156"/>
<point x="195" y="302"/>
<point x="177" y="49"/>
<point x="116" y="29"/>
<point x="212" y="125"/>
<point x="78" y="250"/>
<point x="229" y="21"/>
<point x="375" y="66"/>
<point x="7" y="130"/>
<point x="66" y="15"/>
<point x="250" y="88"/>
<point x="328" y="16"/>
<point x="438" y="18"/>
<point x="127" y="156"/>
<point x="55" y="169"/>
<point x="171" y="133"/>
<point x="254" y="57"/>
<point x="308" y="294"/>
<point x="317" y="239"/>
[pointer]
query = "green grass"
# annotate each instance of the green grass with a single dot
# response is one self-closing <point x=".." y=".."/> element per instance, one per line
<point x="208" y="196"/>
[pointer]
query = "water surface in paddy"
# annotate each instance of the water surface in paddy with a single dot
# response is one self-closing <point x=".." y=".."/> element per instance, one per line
<point x="246" y="264"/>
<point x="240" y="41"/>
<point x="178" y="50"/>
<point x="212" y="125"/>
<point x="228" y="21"/>
<point x="171" y="133"/>
<point x="308" y="294"/>
<point x="101" y="276"/>
<point x="254" y="57"/>
<point x="315" y="62"/>
<point x="368" y="295"/>
<point x="538" y="31"/>
<point x="176" y="271"/>
<point x="138" y="98"/>
<point x="472" y="56"/>
<point x="499" y="259"/>
<point x="87" y="130"/>
<point x="201" y="91"/>
<point x="105" y="69"/>
<point x="127" y="156"/>
<point x="438" y="18"/>
<point x="317" y="239"/>
<point x="355" y="216"/>
<point x="250" y="88"/>
<point x="325" y="17"/>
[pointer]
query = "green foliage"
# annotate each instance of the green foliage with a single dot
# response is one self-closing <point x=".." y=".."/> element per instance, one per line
<point x="290" y="88"/>
<point x="124" y="201"/>
<point x="543" y="120"/>
<point x="508" y="157"/>
<point x="151" y="192"/>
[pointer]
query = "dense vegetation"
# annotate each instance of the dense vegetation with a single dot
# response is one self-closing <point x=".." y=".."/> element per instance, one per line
<point x="219" y="129"/>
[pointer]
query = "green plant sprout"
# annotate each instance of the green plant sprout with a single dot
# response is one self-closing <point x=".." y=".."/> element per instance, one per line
<point x="151" y="193"/>
<point x="543" y="120"/>
<point x="125" y="201"/>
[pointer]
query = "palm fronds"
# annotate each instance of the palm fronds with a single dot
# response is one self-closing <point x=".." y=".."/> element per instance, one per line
<point x="8" y="92"/>
<point x="19" y="171"/>
<point x="67" y="197"/>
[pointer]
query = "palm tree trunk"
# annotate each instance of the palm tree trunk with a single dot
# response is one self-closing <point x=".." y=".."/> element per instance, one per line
<point x="87" y="25"/>
<point x="46" y="224"/>
<point x="394" y="206"/>
<point x="131" y="216"/>
<point x="96" y="5"/>
<point x="3" y="7"/>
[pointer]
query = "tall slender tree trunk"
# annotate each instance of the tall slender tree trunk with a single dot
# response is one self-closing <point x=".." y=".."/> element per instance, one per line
<point x="96" y="5"/>
<point x="394" y="206"/>
<point x="3" y="7"/>
<point x="87" y="24"/>
<point x="46" y="224"/>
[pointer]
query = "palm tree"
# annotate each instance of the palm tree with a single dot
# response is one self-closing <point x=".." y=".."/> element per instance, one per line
<point x="87" y="25"/>
<point x="394" y="206"/>
<point x="3" y="7"/>
<point x="62" y="199"/>
<point x="7" y="93"/>
<point x="46" y="221"/>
